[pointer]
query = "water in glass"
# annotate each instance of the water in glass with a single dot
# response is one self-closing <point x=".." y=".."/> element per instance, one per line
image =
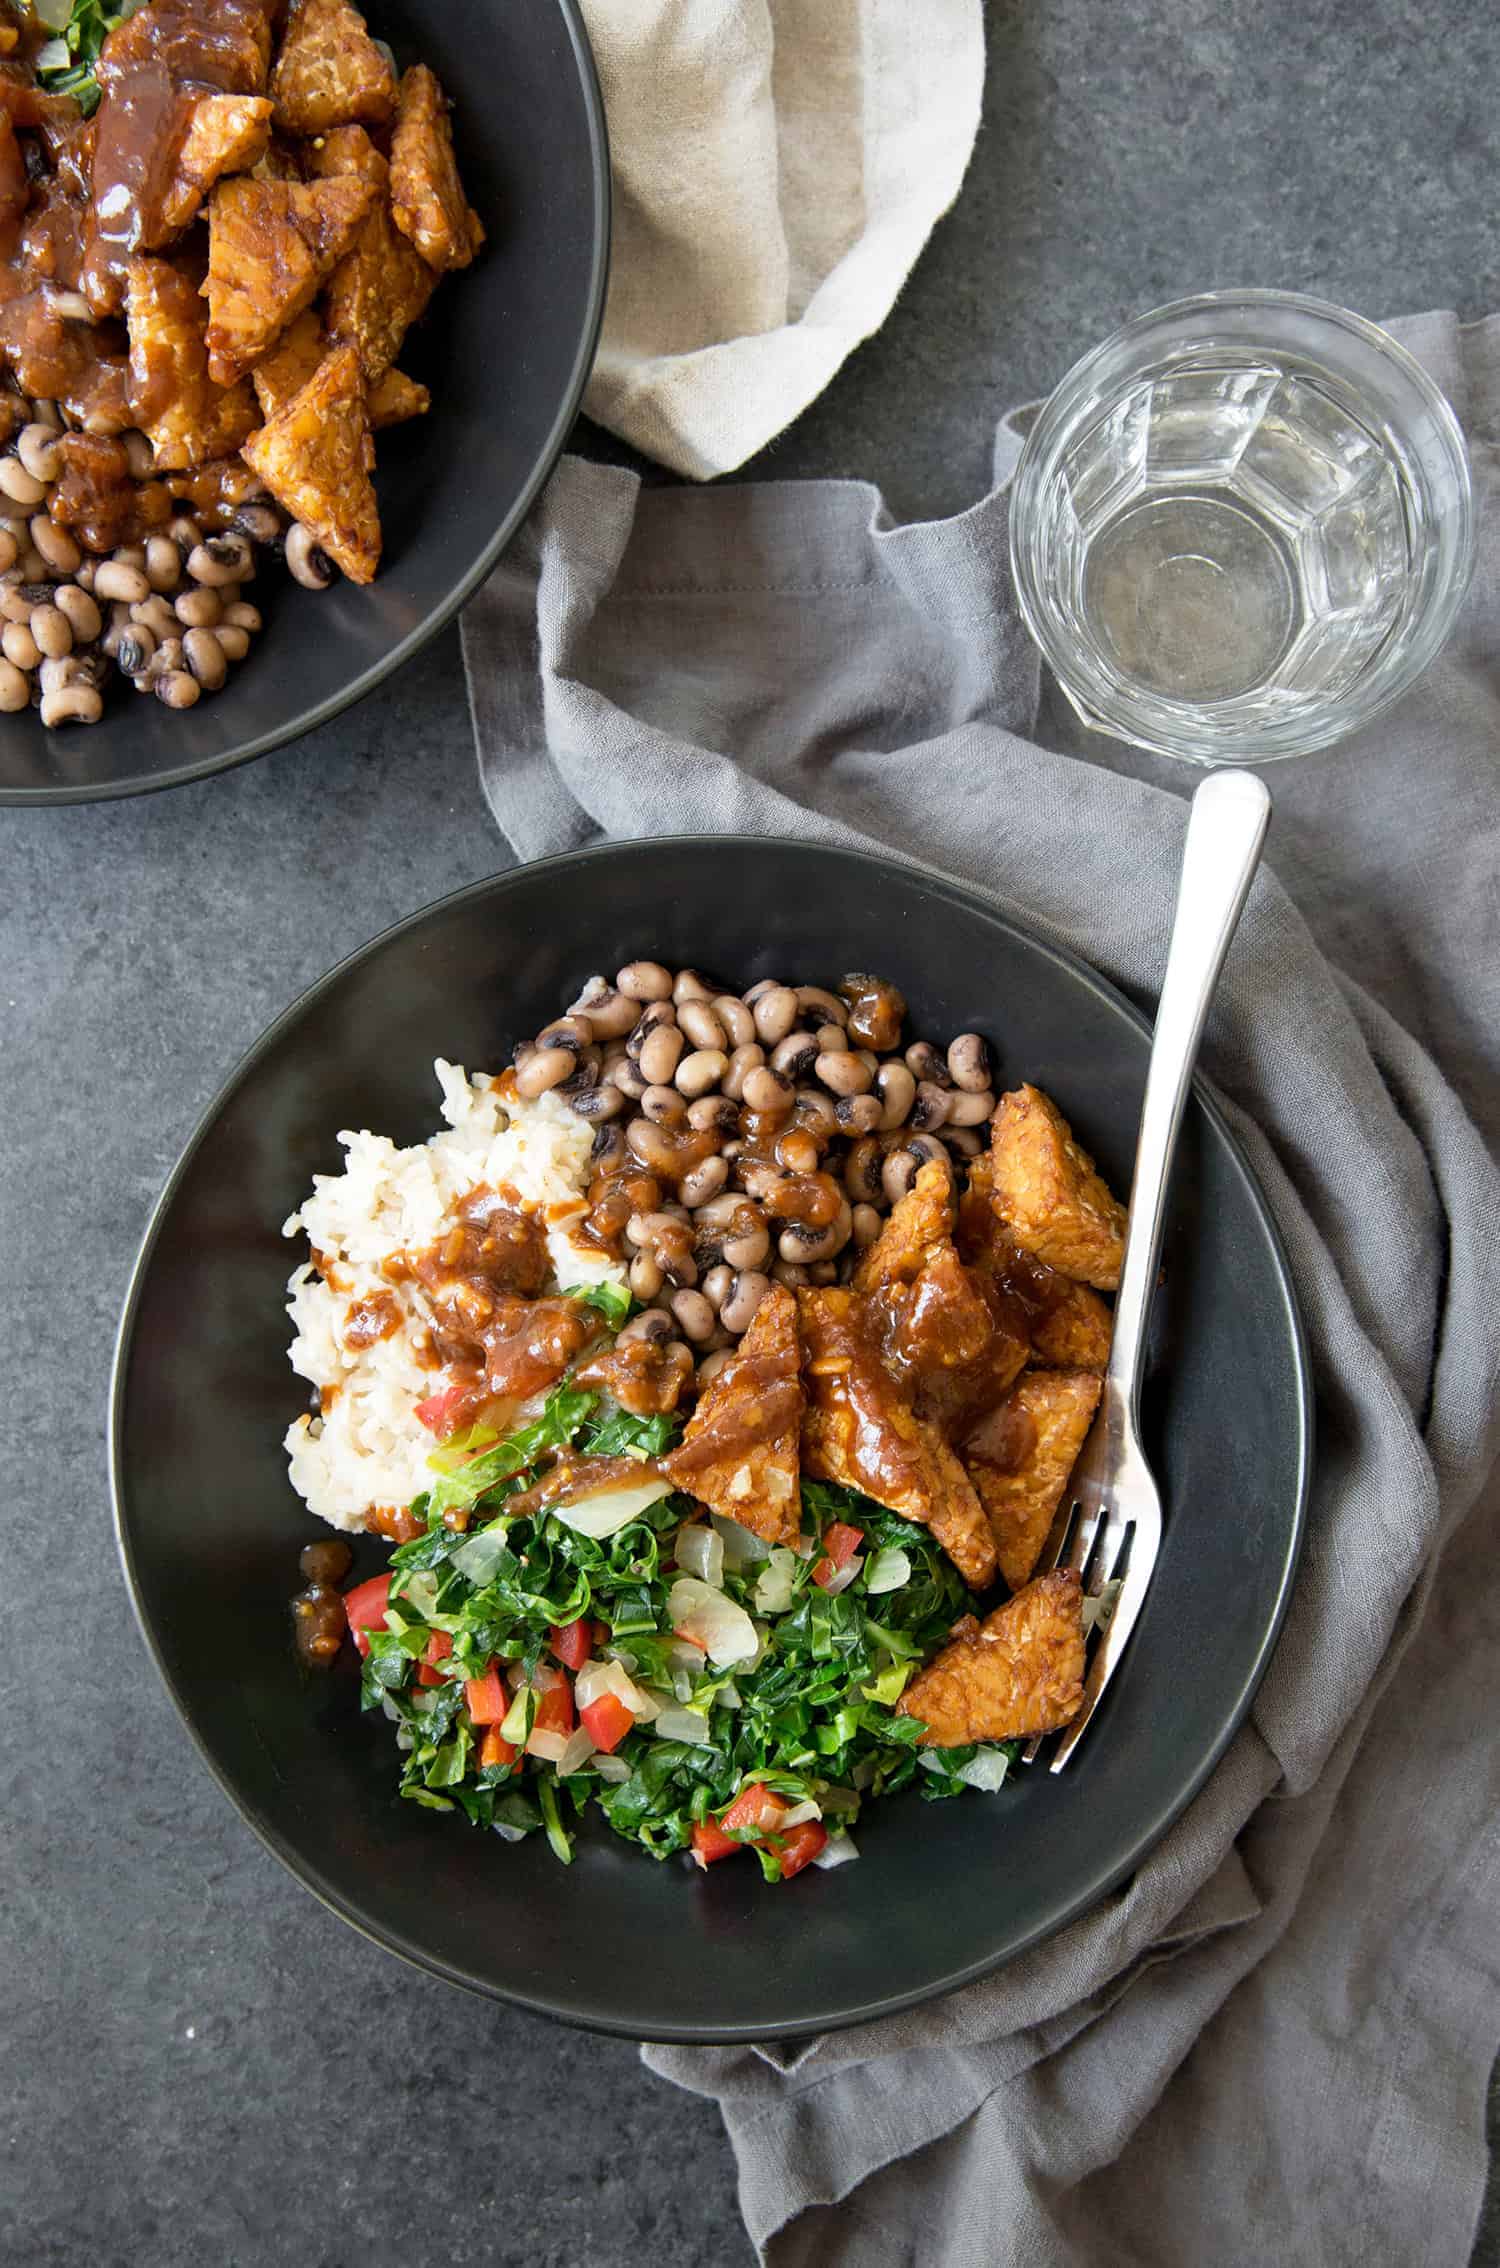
<point x="1230" y="530"/>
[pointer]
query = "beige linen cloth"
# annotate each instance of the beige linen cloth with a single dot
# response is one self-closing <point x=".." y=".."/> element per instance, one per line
<point x="777" y="167"/>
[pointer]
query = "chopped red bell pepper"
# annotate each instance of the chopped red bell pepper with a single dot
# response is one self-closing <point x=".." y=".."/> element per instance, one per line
<point x="710" y="1843"/>
<point x="799" y="1846"/>
<point x="607" y="1721"/>
<point x="840" y="1543"/>
<point x="439" y="1647"/>
<point x="554" y="1708"/>
<point x="365" y="1607"/>
<point x="496" y="1749"/>
<point x="439" y="1410"/>
<point x="755" y="1806"/>
<point x="570" y="1642"/>
<point x="487" y="1697"/>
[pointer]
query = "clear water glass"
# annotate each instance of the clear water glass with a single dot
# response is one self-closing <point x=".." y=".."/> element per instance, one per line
<point x="1242" y="527"/>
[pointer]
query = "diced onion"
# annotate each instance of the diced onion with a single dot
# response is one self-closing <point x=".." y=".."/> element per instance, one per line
<point x="843" y="1577"/>
<point x="722" y="1628"/>
<point x="795" y="1817"/>
<point x="839" y="1800"/>
<point x="597" y="1678"/>
<point x="684" y="1724"/>
<point x="699" y="1551"/>
<point x="728" y="1695"/>
<point x="577" y="1751"/>
<point x="509" y="1834"/>
<point x="610" y="1767"/>
<point x="889" y="1569"/>
<point x="773" y="1585"/>
<point x="987" y="1770"/>
<point x="55" y="54"/>
<point x="550" y="1746"/>
<point x="610" y="1509"/>
<point x="837" y="1851"/>
<point x="742" y="1546"/>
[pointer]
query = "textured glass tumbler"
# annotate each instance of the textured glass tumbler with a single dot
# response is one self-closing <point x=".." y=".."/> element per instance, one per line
<point x="1242" y="527"/>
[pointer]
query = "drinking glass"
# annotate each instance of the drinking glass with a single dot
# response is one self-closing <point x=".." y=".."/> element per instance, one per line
<point x="1242" y="527"/>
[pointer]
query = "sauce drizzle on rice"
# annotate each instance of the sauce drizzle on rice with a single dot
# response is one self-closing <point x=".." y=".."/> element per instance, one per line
<point x="419" y="1257"/>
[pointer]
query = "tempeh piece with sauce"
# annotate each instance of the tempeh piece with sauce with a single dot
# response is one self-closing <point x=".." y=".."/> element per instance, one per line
<point x="270" y="244"/>
<point x="315" y="456"/>
<point x="1049" y="1193"/>
<point x="382" y="284"/>
<point x="427" y="196"/>
<point x="861" y="1430"/>
<point x="330" y="71"/>
<point x="740" y="1454"/>
<point x="1020" y="1455"/>
<point x="186" y="417"/>
<point x="1018" y="1672"/>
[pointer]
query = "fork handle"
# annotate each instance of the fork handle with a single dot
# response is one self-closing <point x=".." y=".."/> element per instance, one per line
<point x="1226" y="827"/>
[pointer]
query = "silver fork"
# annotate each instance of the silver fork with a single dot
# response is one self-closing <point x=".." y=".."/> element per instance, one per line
<point x="1109" y="1518"/>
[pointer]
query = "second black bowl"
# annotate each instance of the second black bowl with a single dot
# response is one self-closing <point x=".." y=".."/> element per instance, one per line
<point x="505" y="348"/>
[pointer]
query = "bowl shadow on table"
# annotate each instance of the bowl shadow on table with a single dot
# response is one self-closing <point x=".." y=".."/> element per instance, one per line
<point x="212" y="1527"/>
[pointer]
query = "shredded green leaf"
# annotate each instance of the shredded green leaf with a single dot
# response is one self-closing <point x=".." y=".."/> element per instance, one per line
<point x="66" y="64"/>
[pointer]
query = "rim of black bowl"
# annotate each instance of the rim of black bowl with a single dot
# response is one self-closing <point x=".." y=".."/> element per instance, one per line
<point x="247" y="750"/>
<point x="1090" y="1892"/>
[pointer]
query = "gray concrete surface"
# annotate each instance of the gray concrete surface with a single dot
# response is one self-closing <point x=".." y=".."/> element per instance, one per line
<point x="200" y="2066"/>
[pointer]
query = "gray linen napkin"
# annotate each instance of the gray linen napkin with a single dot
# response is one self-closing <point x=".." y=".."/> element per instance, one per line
<point x="1271" y="2044"/>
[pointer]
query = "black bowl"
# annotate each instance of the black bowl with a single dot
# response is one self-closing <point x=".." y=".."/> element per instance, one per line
<point x="505" y="347"/>
<point x="210" y="1528"/>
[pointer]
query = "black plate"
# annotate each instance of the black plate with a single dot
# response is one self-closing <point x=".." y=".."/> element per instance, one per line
<point x="505" y="347"/>
<point x="210" y="1528"/>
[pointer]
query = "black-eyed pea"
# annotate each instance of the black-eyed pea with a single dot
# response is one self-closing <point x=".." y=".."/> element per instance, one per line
<point x="742" y="1062"/>
<point x="703" y="1069"/>
<point x="767" y="1091"/>
<point x="857" y="1114"/>
<point x="15" y="690"/>
<point x="832" y="1039"/>
<point x="36" y="446"/>
<point x="737" y="1020"/>
<point x="308" y="561"/>
<point x="646" y="1278"/>
<point x="84" y="618"/>
<point x="644" y="980"/>
<point x="711" y="1365"/>
<point x="843" y="1073"/>
<point x="749" y="1243"/>
<point x="688" y="985"/>
<point x="963" y="1141"/>
<point x="220" y="560"/>
<point x="897" y="1175"/>
<point x="747" y="1288"/>
<point x="925" y="1064"/>
<point x="10" y="551"/>
<point x="18" y="645"/>
<point x="19" y="485"/>
<point x="176" y="688"/>
<point x="163" y="563"/>
<point x="543" y="1071"/>
<point x="71" y="704"/>
<point x="775" y="1011"/>
<point x="611" y="1013"/>
<point x="867" y="1225"/>
<point x="206" y="659"/>
<point x="968" y="1107"/>
<point x="664" y="1106"/>
<point x="714" y="1114"/>
<point x="62" y="554"/>
<point x="234" y="643"/>
<point x="820" y="1006"/>
<point x="931" y="1107"/>
<point x="660" y="1052"/>
<point x="199" y="608"/>
<point x="52" y="631"/>
<point x="795" y="1055"/>
<point x="241" y="615"/>
<point x="701" y="1025"/>
<point x="716" y="1286"/>
<point x="695" y="1317"/>
<point x="704" y="1182"/>
<point x="969" y="1063"/>
<point x="118" y="579"/>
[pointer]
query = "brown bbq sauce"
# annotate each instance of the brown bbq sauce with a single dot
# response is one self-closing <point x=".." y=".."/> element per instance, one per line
<point x="643" y="1376"/>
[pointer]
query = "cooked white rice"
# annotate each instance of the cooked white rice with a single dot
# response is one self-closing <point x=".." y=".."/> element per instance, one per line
<point x="368" y="1448"/>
